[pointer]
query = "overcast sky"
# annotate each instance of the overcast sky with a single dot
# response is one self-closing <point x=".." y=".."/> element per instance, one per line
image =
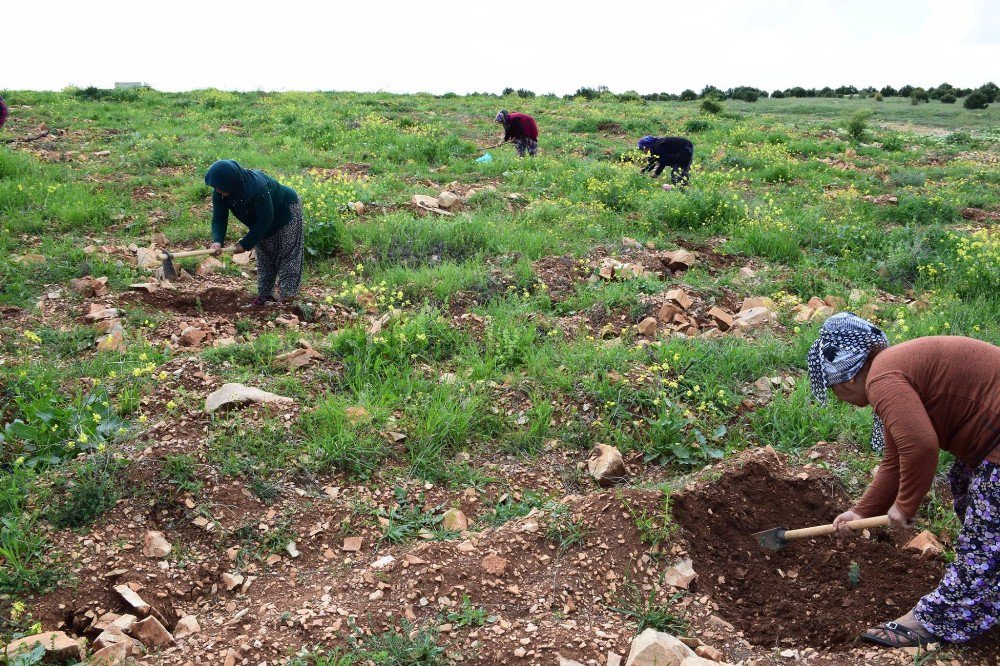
<point x="463" y="46"/>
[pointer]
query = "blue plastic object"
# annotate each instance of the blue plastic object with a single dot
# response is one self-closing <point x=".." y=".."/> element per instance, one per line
<point x="485" y="158"/>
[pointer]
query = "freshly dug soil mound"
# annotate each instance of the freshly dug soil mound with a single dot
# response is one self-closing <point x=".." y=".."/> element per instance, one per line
<point x="800" y="595"/>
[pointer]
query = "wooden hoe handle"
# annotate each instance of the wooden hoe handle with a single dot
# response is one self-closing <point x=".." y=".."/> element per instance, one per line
<point x="190" y="253"/>
<point x="820" y="530"/>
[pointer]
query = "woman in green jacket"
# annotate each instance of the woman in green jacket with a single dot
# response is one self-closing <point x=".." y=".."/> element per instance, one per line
<point x="272" y="213"/>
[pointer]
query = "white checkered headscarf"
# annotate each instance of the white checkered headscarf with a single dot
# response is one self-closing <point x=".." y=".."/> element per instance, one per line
<point x="845" y="341"/>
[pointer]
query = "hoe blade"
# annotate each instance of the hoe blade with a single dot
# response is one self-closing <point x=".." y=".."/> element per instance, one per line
<point x="169" y="272"/>
<point x="772" y="539"/>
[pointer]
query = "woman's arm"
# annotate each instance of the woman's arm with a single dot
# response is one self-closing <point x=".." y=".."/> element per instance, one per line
<point x="220" y="218"/>
<point x="884" y="487"/>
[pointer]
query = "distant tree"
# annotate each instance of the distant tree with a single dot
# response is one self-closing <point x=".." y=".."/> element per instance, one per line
<point x="778" y="94"/>
<point x="744" y="93"/>
<point x="688" y="95"/>
<point x="869" y="91"/>
<point x="797" y="91"/>
<point x="919" y="95"/>
<point x="712" y="91"/>
<point x="521" y="92"/>
<point x="827" y="91"/>
<point x="847" y="90"/>
<point x="977" y="100"/>
<point x="507" y="91"/>
<point x="948" y="98"/>
<point x="888" y="91"/>
<point x="906" y="91"/>
<point x="990" y="91"/>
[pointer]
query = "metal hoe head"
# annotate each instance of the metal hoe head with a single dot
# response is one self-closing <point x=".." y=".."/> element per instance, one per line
<point x="772" y="539"/>
<point x="169" y="272"/>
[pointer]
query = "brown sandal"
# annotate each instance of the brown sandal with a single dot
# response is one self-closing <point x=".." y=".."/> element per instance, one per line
<point x="895" y="635"/>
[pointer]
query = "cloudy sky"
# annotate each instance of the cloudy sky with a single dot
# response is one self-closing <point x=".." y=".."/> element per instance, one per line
<point x="469" y="45"/>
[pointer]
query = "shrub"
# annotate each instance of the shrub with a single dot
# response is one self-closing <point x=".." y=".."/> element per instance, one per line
<point x="711" y="105"/>
<point x="93" y="490"/>
<point x="696" y="125"/>
<point x="689" y="95"/>
<point x="977" y="100"/>
<point x="948" y="98"/>
<point x="777" y="94"/>
<point x="878" y="97"/>
<point x="857" y="124"/>
<point x="919" y="95"/>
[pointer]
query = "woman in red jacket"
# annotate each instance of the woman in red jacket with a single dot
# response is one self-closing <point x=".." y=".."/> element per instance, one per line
<point x="521" y="129"/>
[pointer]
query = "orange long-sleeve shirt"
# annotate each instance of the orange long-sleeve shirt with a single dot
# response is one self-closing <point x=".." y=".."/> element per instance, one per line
<point x="940" y="392"/>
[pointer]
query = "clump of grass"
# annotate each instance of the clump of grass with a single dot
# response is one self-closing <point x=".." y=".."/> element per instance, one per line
<point x="564" y="529"/>
<point x="92" y="489"/>
<point x="648" y="613"/>
<point x="180" y="470"/>
<point x="854" y="575"/>
<point x="470" y="615"/>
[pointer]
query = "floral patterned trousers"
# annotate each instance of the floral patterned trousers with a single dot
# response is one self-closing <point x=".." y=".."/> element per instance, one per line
<point x="966" y="602"/>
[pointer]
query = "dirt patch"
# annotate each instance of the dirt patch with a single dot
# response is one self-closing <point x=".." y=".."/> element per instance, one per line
<point x="610" y="127"/>
<point x="216" y="301"/>
<point x="800" y="595"/>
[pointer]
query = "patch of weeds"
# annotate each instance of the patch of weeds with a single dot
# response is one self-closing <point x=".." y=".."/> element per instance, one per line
<point x="408" y="520"/>
<point x="180" y="470"/>
<point x="82" y="496"/>
<point x="254" y="544"/>
<point x="470" y="615"/>
<point x="654" y="528"/>
<point x="563" y="528"/>
<point x="25" y="569"/>
<point x="648" y="613"/>
<point x="509" y="508"/>
<point x="409" y="646"/>
<point x="854" y="575"/>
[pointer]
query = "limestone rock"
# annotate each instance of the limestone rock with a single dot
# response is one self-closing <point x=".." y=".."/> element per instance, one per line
<point x="754" y="317"/>
<point x="605" y="464"/>
<point x="455" y="521"/>
<point x="147" y="257"/>
<point x="58" y="647"/>
<point x="424" y="201"/>
<point x="192" y="336"/>
<point x="679" y="298"/>
<point x="232" y="580"/>
<point x="238" y="394"/>
<point x="186" y="626"/>
<point x="678" y="260"/>
<point x="155" y="545"/>
<point x="647" y="327"/>
<point x="709" y="652"/>
<point x="698" y="661"/>
<point x="242" y="258"/>
<point x="112" y="636"/>
<point x="926" y="544"/>
<point x="448" y="199"/>
<point x="656" y="648"/>
<point x="152" y="633"/>
<point x="681" y="575"/>
<point x="822" y="313"/>
<point x="297" y="359"/>
<point x="114" y="341"/>
<point x="494" y="565"/>
<point x="132" y="599"/>
<point x="563" y="661"/>
<point x="667" y="312"/>
<point x="723" y="319"/>
<point x="112" y="655"/>
<point x="757" y="302"/>
<point x="351" y="544"/>
<point x="208" y="266"/>
<point x="802" y="313"/>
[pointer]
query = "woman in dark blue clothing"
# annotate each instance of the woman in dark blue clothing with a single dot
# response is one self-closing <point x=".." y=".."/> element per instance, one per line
<point x="673" y="151"/>
<point x="272" y="213"/>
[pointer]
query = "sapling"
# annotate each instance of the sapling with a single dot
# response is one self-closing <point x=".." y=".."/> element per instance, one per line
<point x="854" y="575"/>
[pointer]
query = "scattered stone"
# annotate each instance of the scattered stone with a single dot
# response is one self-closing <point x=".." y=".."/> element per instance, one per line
<point x="288" y="321"/>
<point x="823" y="313"/>
<point x="607" y="271"/>
<point x="754" y="317"/>
<point x="563" y="661"/>
<point x="424" y="201"/>
<point x="631" y="242"/>
<point x="208" y="266"/>
<point x="647" y="327"/>
<point x="112" y="655"/>
<point x="383" y="562"/>
<point x="455" y="521"/>
<point x="113" y="635"/>
<point x="192" y="336"/>
<point x="802" y="313"/>
<point x="926" y="544"/>
<point x="678" y="260"/>
<point x="238" y="394"/>
<point x="132" y="599"/>
<point x="114" y="341"/>
<point x="718" y="624"/>
<point x="494" y="565"/>
<point x="58" y="647"/>
<point x="667" y="312"/>
<point x="681" y="575"/>
<point x="709" y="652"/>
<point x="605" y="464"/>
<point x="520" y="653"/>
<point x="614" y="659"/>
<point x="656" y="648"/>
<point x="679" y="298"/>
<point x="155" y="545"/>
<point x="351" y="544"/>
<point x="232" y="580"/>
<point x="186" y="626"/>
<point x="148" y="258"/>
<point x="151" y="633"/>
<point x="231" y="656"/>
<point x="30" y="259"/>
<point x="757" y="302"/>
<point x="376" y="595"/>
<point x="448" y="199"/>
<point x="242" y="258"/>
<point x="723" y="319"/>
<point x="698" y="661"/>
<point x="291" y="549"/>
<point x="297" y="359"/>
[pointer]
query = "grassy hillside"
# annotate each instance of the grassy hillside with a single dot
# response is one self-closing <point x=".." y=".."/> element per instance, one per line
<point x="505" y="355"/>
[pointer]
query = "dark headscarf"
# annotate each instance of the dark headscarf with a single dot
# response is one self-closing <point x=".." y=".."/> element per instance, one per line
<point x="240" y="183"/>
<point x="844" y="343"/>
<point x="646" y="142"/>
<point x="502" y="116"/>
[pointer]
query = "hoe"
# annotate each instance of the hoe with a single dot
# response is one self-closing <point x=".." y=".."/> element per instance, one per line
<point x="779" y="537"/>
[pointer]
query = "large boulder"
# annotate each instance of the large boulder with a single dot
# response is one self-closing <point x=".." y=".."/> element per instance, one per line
<point x="606" y="465"/>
